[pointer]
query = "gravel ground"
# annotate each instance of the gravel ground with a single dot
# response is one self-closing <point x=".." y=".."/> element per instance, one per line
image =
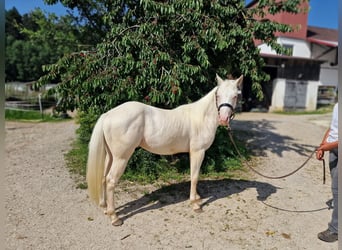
<point x="45" y="210"/>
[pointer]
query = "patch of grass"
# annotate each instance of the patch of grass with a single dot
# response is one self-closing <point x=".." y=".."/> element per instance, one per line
<point x="29" y="116"/>
<point x="319" y="111"/>
<point x="76" y="160"/>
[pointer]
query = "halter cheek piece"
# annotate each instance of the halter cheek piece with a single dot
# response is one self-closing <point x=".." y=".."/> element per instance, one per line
<point x="229" y="106"/>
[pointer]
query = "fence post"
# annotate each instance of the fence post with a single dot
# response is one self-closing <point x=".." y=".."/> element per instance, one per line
<point x="40" y="104"/>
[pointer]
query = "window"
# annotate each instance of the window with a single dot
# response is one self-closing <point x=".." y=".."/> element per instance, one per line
<point x="289" y="48"/>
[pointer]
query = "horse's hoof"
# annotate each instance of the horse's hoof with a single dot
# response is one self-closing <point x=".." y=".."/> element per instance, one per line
<point x="117" y="222"/>
<point x="198" y="210"/>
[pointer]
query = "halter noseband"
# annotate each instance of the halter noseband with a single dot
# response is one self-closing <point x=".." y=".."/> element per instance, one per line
<point x="229" y="106"/>
<point x="225" y="104"/>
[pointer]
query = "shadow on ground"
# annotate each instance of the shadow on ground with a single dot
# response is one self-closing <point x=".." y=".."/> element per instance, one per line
<point x="261" y="136"/>
<point x="210" y="191"/>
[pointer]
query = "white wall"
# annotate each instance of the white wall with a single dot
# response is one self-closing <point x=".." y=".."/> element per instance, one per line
<point x="329" y="75"/>
<point x="323" y="53"/>
<point x="311" y="98"/>
<point x="300" y="48"/>
<point x="278" y="95"/>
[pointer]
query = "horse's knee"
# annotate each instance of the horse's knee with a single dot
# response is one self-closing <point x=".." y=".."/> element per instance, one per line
<point x="110" y="184"/>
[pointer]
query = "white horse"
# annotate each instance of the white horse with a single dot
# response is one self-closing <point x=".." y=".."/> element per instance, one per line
<point x="187" y="128"/>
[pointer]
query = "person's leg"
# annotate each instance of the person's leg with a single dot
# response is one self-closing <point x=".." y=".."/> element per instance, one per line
<point x="333" y="159"/>
<point x="331" y="234"/>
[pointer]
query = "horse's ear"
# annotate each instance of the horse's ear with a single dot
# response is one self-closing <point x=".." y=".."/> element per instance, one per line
<point x="239" y="82"/>
<point x="218" y="79"/>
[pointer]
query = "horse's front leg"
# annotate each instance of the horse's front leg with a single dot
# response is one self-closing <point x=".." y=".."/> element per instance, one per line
<point x="196" y="159"/>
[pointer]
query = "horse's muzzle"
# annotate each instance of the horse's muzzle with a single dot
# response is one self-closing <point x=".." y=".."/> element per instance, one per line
<point x="225" y="122"/>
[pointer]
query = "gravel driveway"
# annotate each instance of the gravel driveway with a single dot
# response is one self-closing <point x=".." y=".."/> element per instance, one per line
<point x="45" y="210"/>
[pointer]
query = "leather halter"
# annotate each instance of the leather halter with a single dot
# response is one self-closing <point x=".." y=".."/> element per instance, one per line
<point x="225" y="104"/>
<point x="229" y="106"/>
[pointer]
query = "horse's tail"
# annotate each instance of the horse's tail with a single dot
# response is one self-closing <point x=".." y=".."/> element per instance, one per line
<point x="96" y="161"/>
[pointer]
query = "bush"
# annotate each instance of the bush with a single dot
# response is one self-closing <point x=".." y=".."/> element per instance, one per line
<point x="87" y="122"/>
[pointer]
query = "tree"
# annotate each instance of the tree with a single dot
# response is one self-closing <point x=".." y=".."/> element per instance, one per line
<point x="13" y="20"/>
<point x="89" y="15"/>
<point x="36" y="39"/>
<point x="164" y="53"/>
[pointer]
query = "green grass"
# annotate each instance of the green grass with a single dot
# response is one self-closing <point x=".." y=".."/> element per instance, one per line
<point x="76" y="160"/>
<point x="319" y="111"/>
<point x="29" y="116"/>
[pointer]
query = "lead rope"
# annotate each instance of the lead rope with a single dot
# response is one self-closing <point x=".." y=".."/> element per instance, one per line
<point x="273" y="177"/>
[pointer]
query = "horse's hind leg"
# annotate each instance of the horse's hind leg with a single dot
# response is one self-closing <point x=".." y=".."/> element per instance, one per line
<point x="117" y="169"/>
<point x="108" y="163"/>
<point x="196" y="159"/>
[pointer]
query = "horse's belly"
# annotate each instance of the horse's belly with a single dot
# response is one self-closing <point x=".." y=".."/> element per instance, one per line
<point x="166" y="149"/>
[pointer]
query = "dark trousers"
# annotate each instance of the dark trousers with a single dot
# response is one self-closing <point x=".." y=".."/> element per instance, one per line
<point x="333" y="160"/>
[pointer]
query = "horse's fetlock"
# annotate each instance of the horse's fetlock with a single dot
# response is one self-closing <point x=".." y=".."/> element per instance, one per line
<point x="103" y="203"/>
<point x="109" y="212"/>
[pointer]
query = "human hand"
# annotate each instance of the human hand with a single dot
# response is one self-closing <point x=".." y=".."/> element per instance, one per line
<point x="319" y="154"/>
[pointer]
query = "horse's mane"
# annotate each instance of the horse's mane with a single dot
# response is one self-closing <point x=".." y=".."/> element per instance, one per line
<point x="204" y="101"/>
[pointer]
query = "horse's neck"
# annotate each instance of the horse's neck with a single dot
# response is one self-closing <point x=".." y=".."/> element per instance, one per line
<point x="208" y="103"/>
<point x="205" y="109"/>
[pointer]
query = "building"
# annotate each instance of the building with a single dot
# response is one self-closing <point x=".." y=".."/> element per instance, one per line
<point x="309" y="76"/>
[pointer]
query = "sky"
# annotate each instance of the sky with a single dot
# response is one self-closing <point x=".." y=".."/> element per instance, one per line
<point x="323" y="13"/>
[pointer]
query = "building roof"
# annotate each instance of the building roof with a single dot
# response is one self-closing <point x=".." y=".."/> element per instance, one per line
<point x="291" y="58"/>
<point x="323" y="36"/>
<point x="319" y="35"/>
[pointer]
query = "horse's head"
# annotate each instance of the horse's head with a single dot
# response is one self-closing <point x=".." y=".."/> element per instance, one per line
<point x="226" y="98"/>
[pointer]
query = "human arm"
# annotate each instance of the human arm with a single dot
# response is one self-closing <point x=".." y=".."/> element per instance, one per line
<point x="330" y="138"/>
<point x="327" y="146"/>
<point x="320" y="150"/>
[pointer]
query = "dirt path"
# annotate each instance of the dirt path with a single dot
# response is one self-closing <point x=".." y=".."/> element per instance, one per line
<point x="46" y="211"/>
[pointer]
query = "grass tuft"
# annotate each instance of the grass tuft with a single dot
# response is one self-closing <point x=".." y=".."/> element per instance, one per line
<point x="29" y="116"/>
<point x="319" y="111"/>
